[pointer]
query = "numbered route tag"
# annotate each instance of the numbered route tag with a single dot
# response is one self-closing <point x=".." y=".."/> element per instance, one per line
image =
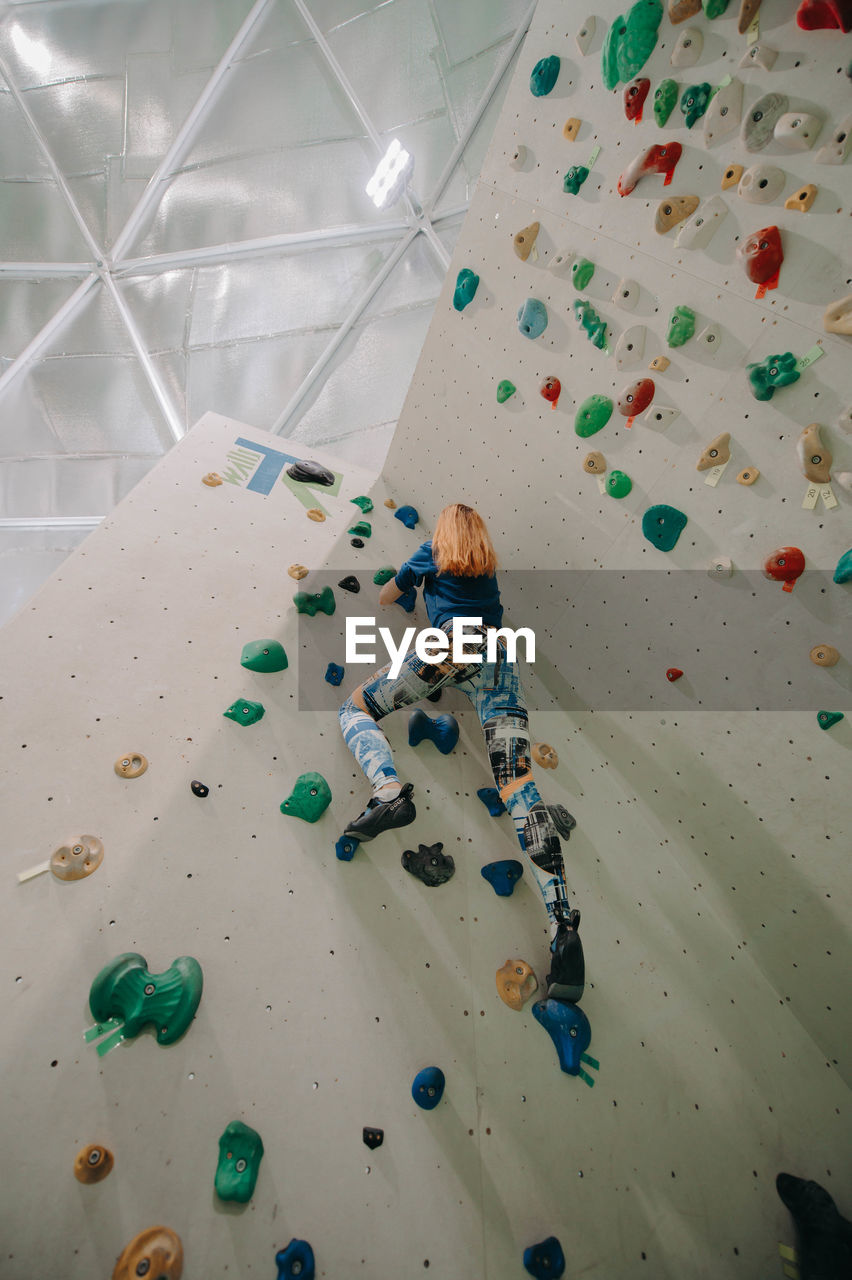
<point x="828" y="499"/>
<point x="715" y="475"/>
<point x="810" y="499"/>
<point x="601" y="484"/>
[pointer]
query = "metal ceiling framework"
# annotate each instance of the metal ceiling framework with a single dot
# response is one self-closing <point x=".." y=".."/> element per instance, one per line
<point x="418" y="218"/>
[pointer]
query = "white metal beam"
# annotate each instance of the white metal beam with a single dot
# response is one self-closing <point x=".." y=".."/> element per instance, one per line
<point x="175" y="425"/>
<point x="50" y="522"/>
<point x="27" y="357"/>
<point x="340" y="75"/>
<point x="44" y="270"/>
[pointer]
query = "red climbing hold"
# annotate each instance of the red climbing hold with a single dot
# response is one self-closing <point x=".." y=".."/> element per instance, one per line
<point x="551" y="390"/>
<point x="635" y="94"/>
<point x="785" y="565"/>
<point x="674" y="673"/>
<point x="815" y="15"/>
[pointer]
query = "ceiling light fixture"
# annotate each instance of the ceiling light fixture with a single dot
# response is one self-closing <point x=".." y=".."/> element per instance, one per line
<point x="388" y="182"/>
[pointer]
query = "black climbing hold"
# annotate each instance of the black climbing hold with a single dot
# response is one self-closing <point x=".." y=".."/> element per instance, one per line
<point x="199" y="789"/>
<point x="563" y="821"/>
<point x="356" y="542"/>
<point x="429" y="864"/>
<point x="374" y="1138"/>
<point x="824" y="1236"/>
<point x="308" y="470"/>
<point x="350" y="584"/>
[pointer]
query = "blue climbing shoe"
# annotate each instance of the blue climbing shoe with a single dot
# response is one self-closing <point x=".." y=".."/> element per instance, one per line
<point x="567" y="978"/>
<point x="383" y="815"/>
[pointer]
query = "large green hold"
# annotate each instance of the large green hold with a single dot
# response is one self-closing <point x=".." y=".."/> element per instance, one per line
<point x="124" y="989"/>
<point x="245" y="712"/>
<point x="310" y="602"/>
<point x="264" y="655"/>
<point x="366" y="504"/>
<point x="630" y="41"/>
<point x="544" y="76"/>
<point x="574" y="179"/>
<point x="766" y="376"/>
<point x="363" y="529"/>
<point x="825" y="719"/>
<point x="381" y="576"/>
<point x="694" y="102"/>
<point x="590" y="322"/>
<point x="592" y="415"/>
<point x="843" y="571"/>
<point x="309" y="798"/>
<point x="664" y="101"/>
<point x="582" y="271"/>
<point x="240" y="1154"/>
<point x="663" y="526"/>
<point x="618" y="485"/>
<point x="714" y="8"/>
<point x="681" y="326"/>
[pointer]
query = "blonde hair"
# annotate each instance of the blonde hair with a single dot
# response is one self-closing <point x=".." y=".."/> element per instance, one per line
<point x="461" y="544"/>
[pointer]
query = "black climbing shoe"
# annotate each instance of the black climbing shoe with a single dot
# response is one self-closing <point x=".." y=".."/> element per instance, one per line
<point x="383" y="815"/>
<point x="567" y="978"/>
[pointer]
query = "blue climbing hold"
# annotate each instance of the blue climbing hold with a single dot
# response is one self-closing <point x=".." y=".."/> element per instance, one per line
<point x="532" y="318"/>
<point x="544" y="76"/>
<point x="466" y="285"/>
<point x="843" y="572"/>
<point x="408" y="515"/>
<point x="346" y="848"/>
<point x="663" y="526"/>
<point x="568" y="1028"/>
<point x="545" y="1260"/>
<point x="825" y="719"/>
<point x="490" y="797"/>
<point x="296" y="1260"/>
<point x="443" y="730"/>
<point x="503" y="876"/>
<point x="334" y="673"/>
<point x="427" y="1089"/>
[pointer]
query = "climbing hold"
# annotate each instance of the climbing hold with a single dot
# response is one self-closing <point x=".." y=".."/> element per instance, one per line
<point x="78" y="858"/>
<point x="824" y="655"/>
<point x="626" y="294"/>
<point x="296" y="1260"/>
<point x="636" y="398"/>
<point x="467" y="282"/>
<point x="427" y="1088"/>
<point x="551" y="390"/>
<point x="310" y="472"/>
<point x="156" y="1252"/>
<point x="661" y="158"/>
<point x="716" y="454"/>
<point x="766" y="376"/>
<point x="133" y="765"/>
<point x="687" y="48"/>
<point x="568" y="1028"/>
<point x="245" y="712"/>
<point x="629" y="42"/>
<point x="659" y="364"/>
<point x="681" y="326"/>
<point x="720" y="567"/>
<point x="665" y="97"/>
<point x="698" y="231"/>
<point x="381" y="576"/>
<point x="545" y="1260"/>
<point x="350" y="583"/>
<point x="317" y="601"/>
<point x="212" y="479"/>
<point x="673" y="673"/>
<point x="443" y="730"/>
<point x="732" y="175"/>
<point x="240" y="1154"/>
<point x="363" y="529"/>
<point x="818" y="15"/>
<point x="544" y="76"/>
<point x="524" y="241"/>
<point x="710" y="338"/>
<point x="837" y="317"/>
<point x="345" y="848"/>
<point x="545" y="755"/>
<point x="748" y="13"/>
<point x="786" y="565"/>
<point x="490" y="797"/>
<point x="761" y="184"/>
<point x="125" y="990"/>
<point x="630" y="346"/>
<point x="814" y="457"/>
<point x="595" y="464"/>
<point x="574" y="179"/>
<point x="843" y="569"/>
<point x="724" y="112"/>
<point x="518" y="158"/>
<point x="199" y="789"/>
<point x="693" y="102"/>
<point x="373" y="1138"/>
<point x="504" y="390"/>
<point x="585" y="35"/>
<point x="298" y="571"/>
<point x="366" y="504"/>
<point x="334" y="673"/>
<point x="516" y="982"/>
<point x="837" y="148"/>
<point x="93" y="1163"/>
<point x="802" y="199"/>
<point x="635" y="94"/>
<point x="592" y="415"/>
<point x="797" y="130"/>
<point x="714" y="8"/>
<point x="581" y="272"/>
<point x="564" y="821"/>
<point x="618" y="485"/>
<point x="759" y="125"/>
<point x="590" y="322"/>
<point x="759" y="55"/>
<point x="825" y="719"/>
<point x="748" y="476"/>
<point x="672" y="211"/>
<point x="314" y="513"/>
<point x="680" y="10"/>
<point x="309" y="799"/>
<point x="571" y="128"/>
<point x="503" y="876"/>
<point x="390" y="504"/>
<point x="532" y="318"/>
<point x="662" y="525"/>
<point x="264" y="655"/>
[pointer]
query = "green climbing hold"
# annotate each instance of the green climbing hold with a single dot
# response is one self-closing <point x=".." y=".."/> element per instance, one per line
<point x="310" y="602"/>
<point x="618" y="485"/>
<point x="825" y="719"/>
<point x="309" y="798"/>
<point x="630" y="41"/>
<point x="245" y="712"/>
<point x="767" y="375"/>
<point x="264" y="655"/>
<point x="467" y="284"/>
<point x="574" y="179"/>
<point x="366" y="504"/>
<point x="240" y="1154"/>
<point x="663" y="526"/>
<point x="664" y="101"/>
<point x="843" y="569"/>
<point x="125" y="990"/>
<point x="592" y="415"/>
<point x="581" y="272"/>
<point x="714" y="8"/>
<point x="504" y="390"/>
<point x="363" y="529"/>
<point x="381" y="576"/>
<point x="590" y="322"/>
<point x="544" y="76"/>
<point x="694" y="101"/>
<point x="681" y="326"/>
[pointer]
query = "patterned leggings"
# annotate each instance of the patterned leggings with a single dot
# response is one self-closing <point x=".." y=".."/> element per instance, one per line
<point x="495" y="691"/>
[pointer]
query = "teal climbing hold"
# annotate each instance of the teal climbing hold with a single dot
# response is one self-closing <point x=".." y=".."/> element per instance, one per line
<point x="309" y="799"/>
<point x="311" y="602"/>
<point x="630" y="41"/>
<point x="663" y="526"/>
<point x="504" y="390"/>
<point x="664" y="101"/>
<point x="574" y="179"/>
<point x="843" y="572"/>
<point x="581" y="272"/>
<point x="544" y="76"/>
<point x="681" y="326"/>
<point x="245" y="712"/>
<point x="532" y="318"/>
<point x="590" y="322"/>
<point x="714" y="8"/>
<point x="264" y="655"/>
<point x="363" y="529"/>
<point x="825" y="719"/>
<point x="592" y="415"/>
<point x="466" y="286"/>
<point x="618" y="485"/>
<point x="766" y="376"/>
<point x="694" y="102"/>
<point x="126" y="990"/>
<point x="366" y="504"/>
<point x="381" y="576"/>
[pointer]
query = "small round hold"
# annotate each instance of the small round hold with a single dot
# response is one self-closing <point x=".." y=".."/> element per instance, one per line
<point x="389" y="502"/>
<point x="92" y="1163"/>
<point x="825" y="655"/>
<point x="545" y="755"/>
<point x="199" y="789"/>
<point x="356" y="542"/>
<point x="212" y="479"/>
<point x="297" y="571"/>
<point x="133" y="765"/>
<point x="314" y="513"/>
<point x="673" y="673"/>
<point x="748" y="475"/>
<point x="594" y="463"/>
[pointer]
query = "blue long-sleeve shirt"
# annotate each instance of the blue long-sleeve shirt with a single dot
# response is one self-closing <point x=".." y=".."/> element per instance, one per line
<point x="448" y="596"/>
